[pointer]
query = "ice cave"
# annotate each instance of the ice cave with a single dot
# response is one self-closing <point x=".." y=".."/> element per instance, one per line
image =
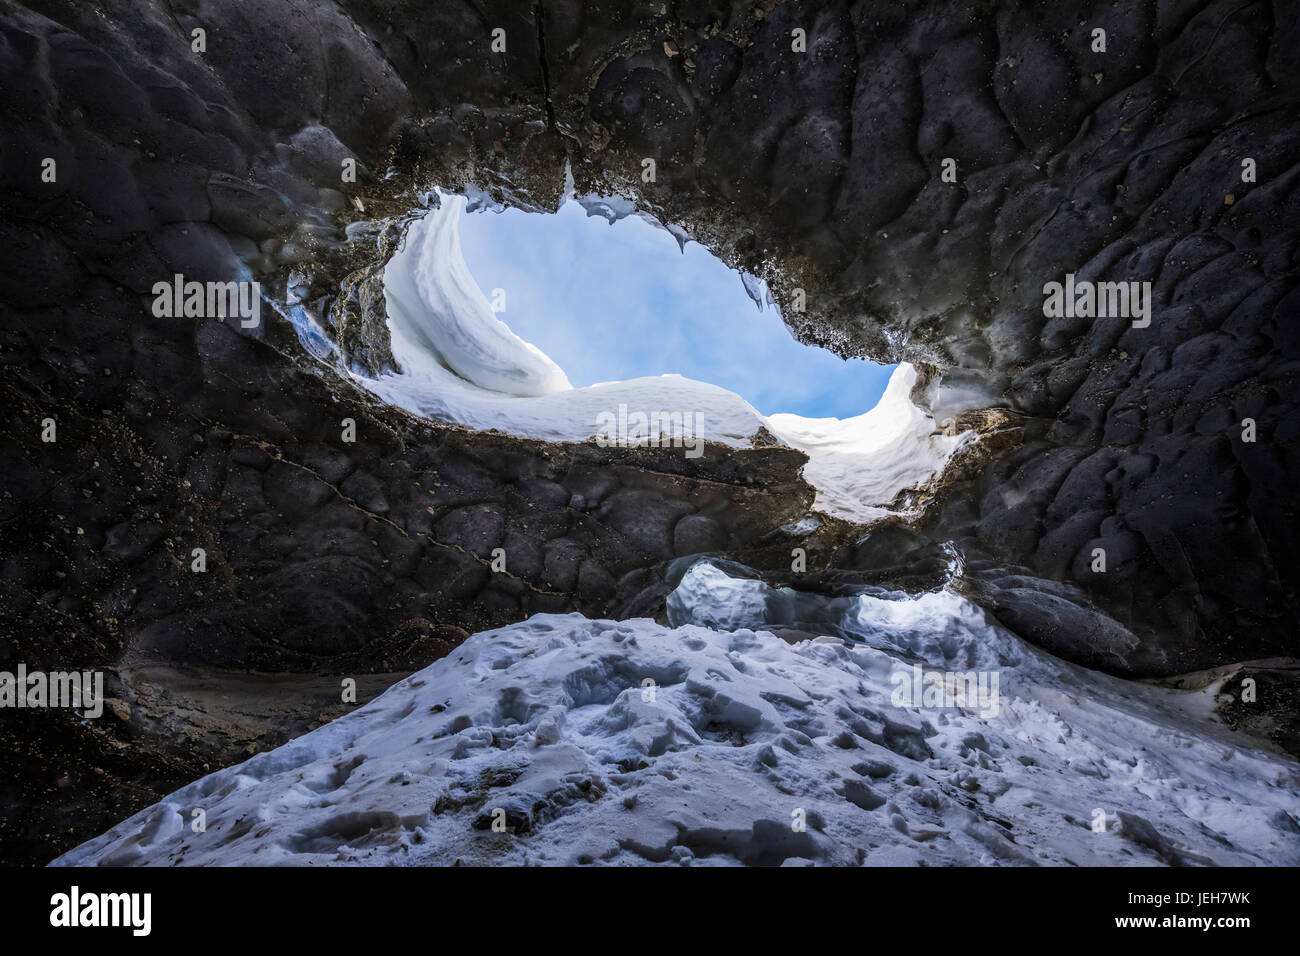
<point x="767" y="434"/>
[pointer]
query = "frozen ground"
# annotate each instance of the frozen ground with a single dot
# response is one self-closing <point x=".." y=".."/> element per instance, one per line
<point x="461" y="364"/>
<point x="711" y="742"/>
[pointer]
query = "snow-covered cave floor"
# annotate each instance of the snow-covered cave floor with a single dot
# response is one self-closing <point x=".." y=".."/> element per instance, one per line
<point x="549" y="725"/>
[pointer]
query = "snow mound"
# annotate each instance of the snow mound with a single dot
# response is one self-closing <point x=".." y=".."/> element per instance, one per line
<point x="574" y="415"/>
<point x="859" y="465"/>
<point x="563" y="740"/>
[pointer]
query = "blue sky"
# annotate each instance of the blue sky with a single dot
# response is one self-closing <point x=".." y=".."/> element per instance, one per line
<point x="609" y="302"/>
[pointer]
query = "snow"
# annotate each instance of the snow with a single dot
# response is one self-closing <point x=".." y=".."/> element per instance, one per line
<point x="437" y="308"/>
<point x="469" y="390"/>
<point x="710" y="742"/>
<point x="461" y="364"/>
<point x="859" y="465"/>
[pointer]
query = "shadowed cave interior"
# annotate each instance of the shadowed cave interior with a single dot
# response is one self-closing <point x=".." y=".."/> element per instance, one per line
<point x="779" y="587"/>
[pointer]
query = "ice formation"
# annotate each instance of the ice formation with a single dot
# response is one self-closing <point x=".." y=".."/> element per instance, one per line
<point x="563" y="740"/>
<point x="753" y="724"/>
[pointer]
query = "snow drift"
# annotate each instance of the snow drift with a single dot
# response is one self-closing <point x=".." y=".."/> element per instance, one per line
<point x="599" y="742"/>
<point x="439" y="313"/>
<point x="860" y="465"/>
